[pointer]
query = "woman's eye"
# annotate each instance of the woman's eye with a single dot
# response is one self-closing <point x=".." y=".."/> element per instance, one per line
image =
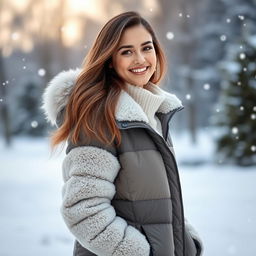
<point x="147" y="48"/>
<point x="127" y="52"/>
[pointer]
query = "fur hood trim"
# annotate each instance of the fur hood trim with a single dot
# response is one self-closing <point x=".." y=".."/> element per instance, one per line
<point x="56" y="95"/>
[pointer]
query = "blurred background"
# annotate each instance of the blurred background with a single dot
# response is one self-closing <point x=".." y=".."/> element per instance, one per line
<point x="211" y="51"/>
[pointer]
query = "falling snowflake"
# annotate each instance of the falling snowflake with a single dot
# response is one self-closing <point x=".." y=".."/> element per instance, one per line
<point x="188" y="96"/>
<point x="245" y="69"/>
<point x="239" y="83"/>
<point x="241" y="108"/>
<point x="1" y="100"/>
<point x="5" y="82"/>
<point x="188" y="16"/>
<point x="217" y="110"/>
<point x="241" y="47"/>
<point x="234" y="130"/>
<point x="223" y="38"/>
<point x="253" y="116"/>
<point x="170" y="35"/>
<point x="241" y="17"/>
<point x="15" y="36"/>
<point x="244" y="24"/>
<point x="180" y="14"/>
<point x="242" y="56"/>
<point x="254" y="108"/>
<point x="34" y="124"/>
<point x="207" y="86"/>
<point x="228" y="20"/>
<point x="41" y="72"/>
<point x="253" y="148"/>
<point x="24" y="67"/>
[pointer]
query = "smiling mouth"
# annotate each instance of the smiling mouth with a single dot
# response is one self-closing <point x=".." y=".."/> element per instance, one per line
<point x="139" y="71"/>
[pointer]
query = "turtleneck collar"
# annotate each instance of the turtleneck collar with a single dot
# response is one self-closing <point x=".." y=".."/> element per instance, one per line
<point x="149" y="99"/>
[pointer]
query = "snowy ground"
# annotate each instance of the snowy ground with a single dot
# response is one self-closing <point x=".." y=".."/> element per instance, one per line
<point x="220" y="201"/>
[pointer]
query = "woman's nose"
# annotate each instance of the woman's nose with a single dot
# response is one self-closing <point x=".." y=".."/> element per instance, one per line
<point x="140" y="59"/>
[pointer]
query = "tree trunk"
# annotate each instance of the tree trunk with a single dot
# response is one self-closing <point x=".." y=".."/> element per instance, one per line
<point x="4" y="107"/>
<point x="187" y="47"/>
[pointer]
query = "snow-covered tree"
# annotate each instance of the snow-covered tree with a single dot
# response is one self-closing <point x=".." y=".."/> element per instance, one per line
<point x="236" y="110"/>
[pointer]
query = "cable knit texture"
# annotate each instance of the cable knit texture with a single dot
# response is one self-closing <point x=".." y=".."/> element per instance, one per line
<point x="150" y="101"/>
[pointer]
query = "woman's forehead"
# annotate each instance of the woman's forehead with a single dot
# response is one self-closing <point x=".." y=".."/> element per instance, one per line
<point x="135" y="35"/>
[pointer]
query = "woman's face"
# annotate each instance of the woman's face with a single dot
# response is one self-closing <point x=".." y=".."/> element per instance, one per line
<point x="135" y="58"/>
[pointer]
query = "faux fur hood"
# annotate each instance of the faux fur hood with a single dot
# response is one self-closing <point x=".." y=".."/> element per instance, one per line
<point x="56" y="94"/>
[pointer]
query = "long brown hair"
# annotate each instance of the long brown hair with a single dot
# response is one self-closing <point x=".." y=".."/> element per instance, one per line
<point x="92" y="103"/>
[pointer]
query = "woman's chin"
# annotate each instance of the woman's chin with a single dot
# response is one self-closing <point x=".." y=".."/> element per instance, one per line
<point x="139" y="82"/>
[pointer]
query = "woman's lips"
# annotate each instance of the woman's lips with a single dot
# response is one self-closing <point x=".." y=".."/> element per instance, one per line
<point x="139" y="71"/>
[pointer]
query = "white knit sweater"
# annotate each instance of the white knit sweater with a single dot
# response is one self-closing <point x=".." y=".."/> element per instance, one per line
<point x="149" y="99"/>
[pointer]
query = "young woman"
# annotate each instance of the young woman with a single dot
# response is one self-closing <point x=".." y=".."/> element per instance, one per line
<point x="122" y="193"/>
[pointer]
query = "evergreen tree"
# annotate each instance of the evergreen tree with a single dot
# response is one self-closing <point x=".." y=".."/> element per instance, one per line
<point x="236" y="111"/>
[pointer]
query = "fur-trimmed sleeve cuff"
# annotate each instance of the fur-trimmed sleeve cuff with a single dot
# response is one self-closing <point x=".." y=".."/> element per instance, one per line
<point x="89" y="173"/>
<point x="195" y="236"/>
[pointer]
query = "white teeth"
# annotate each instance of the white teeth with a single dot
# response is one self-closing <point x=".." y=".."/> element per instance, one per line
<point x="138" y="70"/>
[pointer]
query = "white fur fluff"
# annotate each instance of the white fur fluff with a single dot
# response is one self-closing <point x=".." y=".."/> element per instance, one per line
<point x="128" y="109"/>
<point x="57" y="92"/>
<point x="90" y="161"/>
<point x="89" y="173"/>
<point x="77" y="186"/>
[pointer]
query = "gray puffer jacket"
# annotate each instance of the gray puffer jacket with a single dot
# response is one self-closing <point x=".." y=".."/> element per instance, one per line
<point x="123" y="200"/>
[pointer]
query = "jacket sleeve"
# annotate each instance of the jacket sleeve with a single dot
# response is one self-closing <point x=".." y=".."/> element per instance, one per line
<point x="195" y="236"/>
<point x="89" y="174"/>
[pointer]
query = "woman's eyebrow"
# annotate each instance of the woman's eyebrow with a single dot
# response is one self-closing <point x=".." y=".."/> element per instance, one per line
<point x="131" y="46"/>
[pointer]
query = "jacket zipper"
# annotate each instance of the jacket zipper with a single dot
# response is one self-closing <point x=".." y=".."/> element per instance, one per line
<point x="144" y="125"/>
